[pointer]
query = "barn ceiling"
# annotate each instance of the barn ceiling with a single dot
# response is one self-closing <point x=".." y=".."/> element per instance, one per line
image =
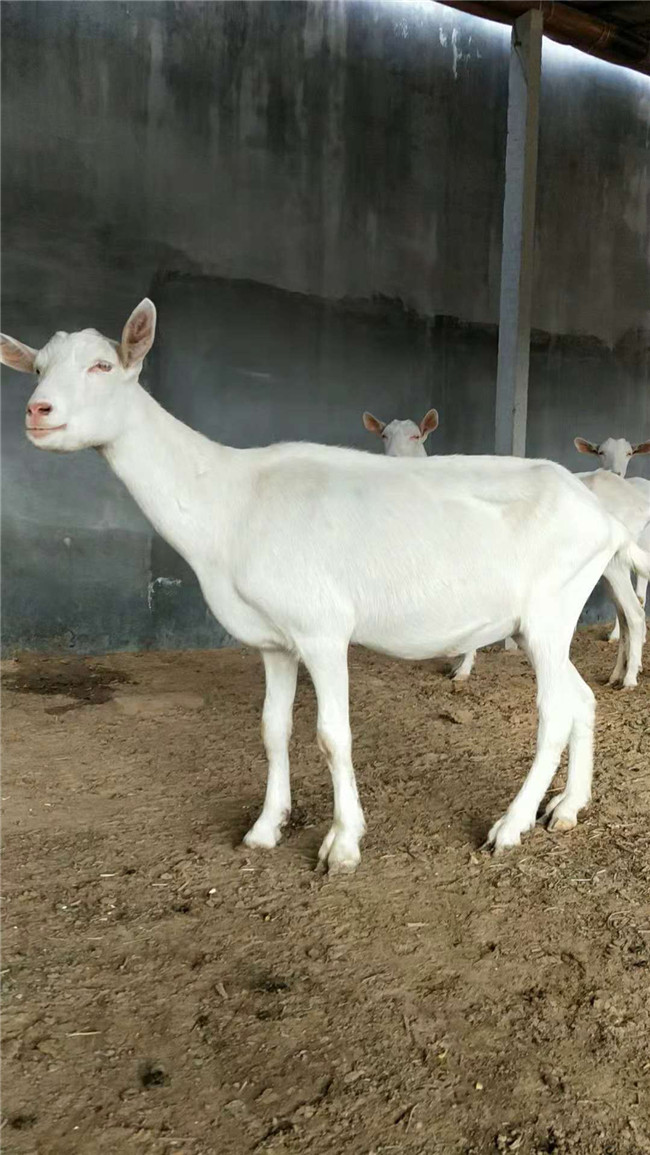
<point x="614" y="30"/>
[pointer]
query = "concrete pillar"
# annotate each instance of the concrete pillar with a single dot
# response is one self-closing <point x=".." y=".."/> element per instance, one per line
<point x="518" y="234"/>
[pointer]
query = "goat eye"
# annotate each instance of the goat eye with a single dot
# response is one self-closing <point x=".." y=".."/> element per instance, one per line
<point x="101" y="367"/>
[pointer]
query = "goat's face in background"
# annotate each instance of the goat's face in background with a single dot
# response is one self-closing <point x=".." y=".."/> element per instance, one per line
<point x="614" y="454"/>
<point x="403" y="438"/>
<point x="81" y="399"/>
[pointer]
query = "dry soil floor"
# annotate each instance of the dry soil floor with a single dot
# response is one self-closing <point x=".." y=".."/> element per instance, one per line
<point x="168" y="992"/>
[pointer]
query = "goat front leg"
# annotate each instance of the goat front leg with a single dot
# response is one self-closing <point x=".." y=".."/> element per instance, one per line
<point x="463" y="666"/>
<point x="615" y="632"/>
<point x="281" y="674"/>
<point x="327" y="663"/>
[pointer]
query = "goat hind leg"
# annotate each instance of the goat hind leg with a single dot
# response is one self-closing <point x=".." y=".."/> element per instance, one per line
<point x="562" y="810"/>
<point x="556" y="693"/>
<point x="632" y="623"/>
<point x="622" y="652"/>
<point x="641" y="589"/>
<point x="641" y="593"/>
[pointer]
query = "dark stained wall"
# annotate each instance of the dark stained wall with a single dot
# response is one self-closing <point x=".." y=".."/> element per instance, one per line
<point x="311" y="193"/>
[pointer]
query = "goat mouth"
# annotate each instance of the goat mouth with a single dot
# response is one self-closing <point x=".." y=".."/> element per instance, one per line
<point x="42" y="431"/>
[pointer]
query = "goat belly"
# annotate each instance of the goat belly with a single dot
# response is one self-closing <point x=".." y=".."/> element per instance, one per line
<point x="431" y="637"/>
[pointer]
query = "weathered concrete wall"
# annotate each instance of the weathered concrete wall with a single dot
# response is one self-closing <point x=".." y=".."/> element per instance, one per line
<point x="312" y="195"/>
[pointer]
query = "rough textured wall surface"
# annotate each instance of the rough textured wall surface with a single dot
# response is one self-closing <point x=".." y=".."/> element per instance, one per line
<point x="311" y="193"/>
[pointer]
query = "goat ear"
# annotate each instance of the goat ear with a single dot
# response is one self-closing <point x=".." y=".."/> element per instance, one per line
<point x="428" y="423"/>
<point x="373" y="424"/>
<point x="584" y="446"/>
<point x="138" y="334"/>
<point x="642" y="447"/>
<point x="16" y="355"/>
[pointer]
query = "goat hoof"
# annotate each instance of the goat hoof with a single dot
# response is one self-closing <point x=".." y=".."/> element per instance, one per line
<point x="263" y="835"/>
<point x="340" y="868"/>
<point x="506" y="833"/>
<point x="339" y="853"/>
<point x="561" y="814"/>
<point x="559" y="825"/>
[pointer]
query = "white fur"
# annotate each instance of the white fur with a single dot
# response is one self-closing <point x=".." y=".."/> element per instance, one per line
<point x="615" y="454"/>
<point x="634" y="513"/>
<point x="631" y="509"/>
<point x="403" y="438"/>
<point x="642" y="486"/>
<point x="302" y="550"/>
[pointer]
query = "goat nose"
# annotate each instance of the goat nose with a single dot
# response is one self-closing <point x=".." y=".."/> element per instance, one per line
<point x="39" y="408"/>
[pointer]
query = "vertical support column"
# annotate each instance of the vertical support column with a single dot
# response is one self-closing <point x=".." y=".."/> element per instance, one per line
<point x="518" y="234"/>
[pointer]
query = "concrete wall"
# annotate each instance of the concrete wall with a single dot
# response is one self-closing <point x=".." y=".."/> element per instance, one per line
<point x="312" y="195"/>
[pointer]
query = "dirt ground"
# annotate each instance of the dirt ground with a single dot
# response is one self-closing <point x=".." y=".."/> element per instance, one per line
<point x="167" y="991"/>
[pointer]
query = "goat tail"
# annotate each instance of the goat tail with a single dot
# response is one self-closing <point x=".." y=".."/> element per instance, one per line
<point x="635" y="558"/>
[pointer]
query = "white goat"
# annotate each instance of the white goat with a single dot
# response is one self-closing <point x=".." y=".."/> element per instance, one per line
<point x="615" y="454"/>
<point x="303" y="549"/>
<point x="617" y="499"/>
<point x="406" y="439"/>
<point x="632" y="510"/>
<point x="403" y="438"/>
